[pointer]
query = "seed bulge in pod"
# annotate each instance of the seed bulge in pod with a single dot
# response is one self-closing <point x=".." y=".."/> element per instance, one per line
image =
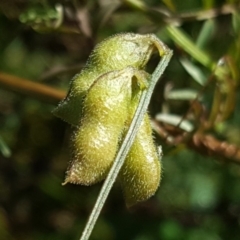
<point x="141" y="173"/>
<point x="95" y="142"/>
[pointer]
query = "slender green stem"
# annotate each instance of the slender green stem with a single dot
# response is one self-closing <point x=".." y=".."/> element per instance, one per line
<point x="126" y="145"/>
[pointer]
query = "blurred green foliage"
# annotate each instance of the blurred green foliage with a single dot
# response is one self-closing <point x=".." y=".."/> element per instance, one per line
<point x="199" y="197"/>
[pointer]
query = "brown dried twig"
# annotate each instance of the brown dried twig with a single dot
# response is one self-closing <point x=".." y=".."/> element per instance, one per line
<point x="210" y="146"/>
<point x="30" y="88"/>
<point x="205" y="144"/>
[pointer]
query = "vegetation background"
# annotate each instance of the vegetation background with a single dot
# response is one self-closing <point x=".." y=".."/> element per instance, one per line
<point x="48" y="42"/>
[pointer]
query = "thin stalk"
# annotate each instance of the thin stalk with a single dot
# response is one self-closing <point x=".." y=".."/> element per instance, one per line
<point x="126" y="145"/>
<point x="30" y="88"/>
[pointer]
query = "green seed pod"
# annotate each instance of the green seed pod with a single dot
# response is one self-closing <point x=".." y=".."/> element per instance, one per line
<point x="115" y="53"/>
<point x="95" y="142"/>
<point x="141" y="173"/>
<point x="101" y="104"/>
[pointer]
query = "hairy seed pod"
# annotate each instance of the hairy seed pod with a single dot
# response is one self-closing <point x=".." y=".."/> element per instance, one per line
<point x="141" y="173"/>
<point x="114" y="53"/>
<point x="101" y="104"/>
<point x="95" y="141"/>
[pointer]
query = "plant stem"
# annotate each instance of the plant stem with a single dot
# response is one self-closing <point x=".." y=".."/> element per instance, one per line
<point x="30" y="88"/>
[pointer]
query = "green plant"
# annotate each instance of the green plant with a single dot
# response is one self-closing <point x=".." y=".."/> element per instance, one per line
<point x="108" y="94"/>
<point x="194" y="112"/>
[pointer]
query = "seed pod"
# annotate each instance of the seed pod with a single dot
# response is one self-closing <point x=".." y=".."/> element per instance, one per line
<point x="101" y="103"/>
<point x="115" y="53"/>
<point x="95" y="141"/>
<point x="141" y="173"/>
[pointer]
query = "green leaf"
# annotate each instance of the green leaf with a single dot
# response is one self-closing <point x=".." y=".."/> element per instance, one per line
<point x="182" y="94"/>
<point x="42" y="18"/>
<point x="188" y="45"/>
<point x="4" y="149"/>
<point x="194" y="71"/>
<point x="175" y="120"/>
<point x="236" y="22"/>
<point x="206" y="33"/>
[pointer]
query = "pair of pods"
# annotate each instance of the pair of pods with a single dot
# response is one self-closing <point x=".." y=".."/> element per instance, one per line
<point x="100" y="104"/>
